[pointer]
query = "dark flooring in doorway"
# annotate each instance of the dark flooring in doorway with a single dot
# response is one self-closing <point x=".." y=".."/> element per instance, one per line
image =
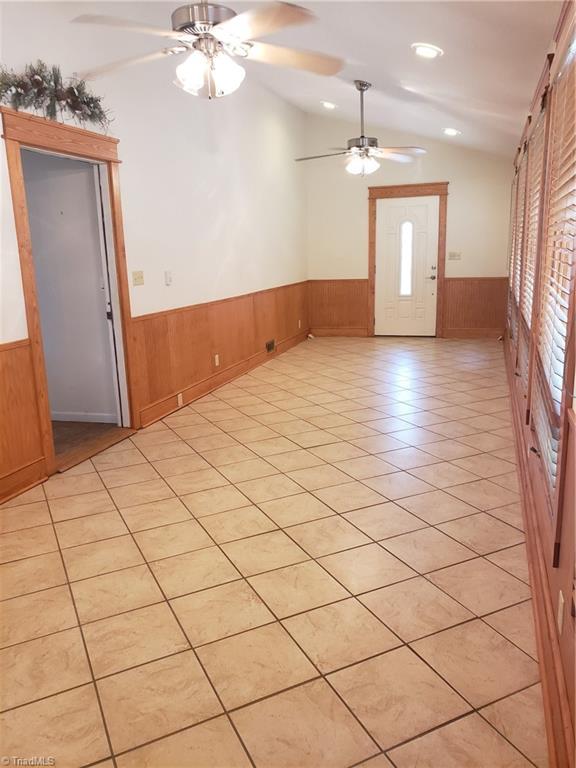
<point x="76" y="441"/>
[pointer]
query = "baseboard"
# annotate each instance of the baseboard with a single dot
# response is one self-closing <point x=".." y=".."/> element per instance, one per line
<point x="339" y="331"/>
<point x="559" y="728"/>
<point x="168" y="405"/>
<point x="472" y="333"/>
<point x="22" y="479"/>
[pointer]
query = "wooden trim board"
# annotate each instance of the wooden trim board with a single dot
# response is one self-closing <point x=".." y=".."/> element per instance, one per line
<point x="22" y="479"/>
<point x="50" y="135"/>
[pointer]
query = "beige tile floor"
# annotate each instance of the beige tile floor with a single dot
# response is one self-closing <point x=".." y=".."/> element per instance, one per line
<point x="321" y="564"/>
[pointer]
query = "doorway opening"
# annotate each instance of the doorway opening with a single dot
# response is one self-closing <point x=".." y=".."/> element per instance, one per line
<point x="77" y="294"/>
<point x="406" y="259"/>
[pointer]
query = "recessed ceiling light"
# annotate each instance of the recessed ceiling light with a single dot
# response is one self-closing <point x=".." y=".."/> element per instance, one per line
<point x="427" y="50"/>
<point x="328" y="105"/>
<point x="452" y="132"/>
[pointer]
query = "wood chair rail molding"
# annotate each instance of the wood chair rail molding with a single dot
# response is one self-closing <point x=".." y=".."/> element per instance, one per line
<point x="24" y="131"/>
<point x="429" y="189"/>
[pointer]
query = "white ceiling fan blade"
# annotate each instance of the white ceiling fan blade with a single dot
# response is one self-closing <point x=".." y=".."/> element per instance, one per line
<point x="260" y="21"/>
<point x="128" y="26"/>
<point x="116" y="66"/>
<point x="317" y="157"/>
<point x="398" y="154"/>
<point x="319" y="63"/>
<point x="412" y="151"/>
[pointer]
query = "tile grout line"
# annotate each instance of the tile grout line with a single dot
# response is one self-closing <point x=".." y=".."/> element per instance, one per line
<point x="313" y="559"/>
<point x="85" y="646"/>
<point x="191" y="647"/>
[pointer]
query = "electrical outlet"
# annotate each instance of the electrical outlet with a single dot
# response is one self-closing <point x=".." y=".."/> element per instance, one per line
<point x="271" y="345"/>
<point x="180" y="399"/>
<point x="454" y="256"/>
<point x="138" y="277"/>
<point x="167" y="277"/>
<point x="560" y="612"/>
<point x="216" y="360"/>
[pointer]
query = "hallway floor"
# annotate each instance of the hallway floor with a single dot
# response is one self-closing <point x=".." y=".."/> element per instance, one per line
<point x="321" y="564"/>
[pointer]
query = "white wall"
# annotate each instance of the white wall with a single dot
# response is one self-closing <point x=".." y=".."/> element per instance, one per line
<point x="65" y="229"/>
<point x="337" y="203"/>
<point x="209" y="190"/>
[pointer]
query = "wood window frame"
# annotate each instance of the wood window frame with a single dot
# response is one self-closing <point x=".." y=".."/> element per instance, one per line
<point x="25" y="131"/>
<point x="431" y="189"/>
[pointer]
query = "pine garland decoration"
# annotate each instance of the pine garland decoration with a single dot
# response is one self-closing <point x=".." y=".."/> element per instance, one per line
<point x="43" y="89"/>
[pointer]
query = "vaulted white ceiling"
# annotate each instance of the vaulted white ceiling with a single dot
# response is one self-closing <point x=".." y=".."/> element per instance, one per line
<point x="483" y="85"/>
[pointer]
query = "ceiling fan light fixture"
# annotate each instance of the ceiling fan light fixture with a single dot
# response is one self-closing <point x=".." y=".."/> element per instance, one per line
<point x="360" y="165"/>
<point x="209" y="76"/>
<point x="427" y="50"/>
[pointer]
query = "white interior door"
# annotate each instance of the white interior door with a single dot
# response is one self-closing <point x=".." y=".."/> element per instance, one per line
<point x="112" y="292"/>
<point x="71" y="287"/>
<point x="406" y="266"/>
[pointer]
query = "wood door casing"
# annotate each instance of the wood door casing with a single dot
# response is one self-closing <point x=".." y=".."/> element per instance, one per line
<point x="21" y="131"/>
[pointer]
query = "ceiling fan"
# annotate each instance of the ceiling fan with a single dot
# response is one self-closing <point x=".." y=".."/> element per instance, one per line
<point x="363" y="151"/>
<point x="213" y="36"/>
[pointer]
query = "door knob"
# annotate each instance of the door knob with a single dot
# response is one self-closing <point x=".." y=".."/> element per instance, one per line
<point x="432" y="277"/>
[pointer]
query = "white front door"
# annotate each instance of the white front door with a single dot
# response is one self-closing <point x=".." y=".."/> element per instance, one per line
<point x="406" y="266"/>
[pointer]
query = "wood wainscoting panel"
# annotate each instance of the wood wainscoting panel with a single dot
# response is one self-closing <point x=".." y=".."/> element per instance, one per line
<point x="21" y="455"/>
<point x="175" y="351"/>
<point x="555" y="653"/>
<point x="474" y="307"/>
<point x="338" y="307"/>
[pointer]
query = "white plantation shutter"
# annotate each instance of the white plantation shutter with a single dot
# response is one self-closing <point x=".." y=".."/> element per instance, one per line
<point x="532" y="221"/>
<point x="519" y="229"/>
<point x="533" y="214"/>
<point x="554" y="330"/>
<point x="517" y="241"/>
<point x="512" y="314"/>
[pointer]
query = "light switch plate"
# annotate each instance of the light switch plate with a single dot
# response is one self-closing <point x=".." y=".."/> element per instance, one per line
<point x="454" y="256"/>
<point x="138" y="277"/>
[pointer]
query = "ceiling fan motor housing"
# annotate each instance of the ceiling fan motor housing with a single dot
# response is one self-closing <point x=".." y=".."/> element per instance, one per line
<point x="362" y="142"/>
<point x="199" y="19"/>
